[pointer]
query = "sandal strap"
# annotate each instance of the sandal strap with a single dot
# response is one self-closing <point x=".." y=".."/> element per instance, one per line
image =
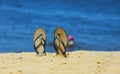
<point x="55" y="45"/>
<point x="41" y="43"/>
<point x="40" y="36"/>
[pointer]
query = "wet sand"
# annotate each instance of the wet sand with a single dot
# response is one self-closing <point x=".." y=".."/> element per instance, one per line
<point x="77" y="62"/>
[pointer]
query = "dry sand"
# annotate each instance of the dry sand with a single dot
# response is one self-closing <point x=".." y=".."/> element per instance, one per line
<point x="77" y="62"/>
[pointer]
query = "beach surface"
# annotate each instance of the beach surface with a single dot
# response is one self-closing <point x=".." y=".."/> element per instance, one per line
<point x="77" y="62"/>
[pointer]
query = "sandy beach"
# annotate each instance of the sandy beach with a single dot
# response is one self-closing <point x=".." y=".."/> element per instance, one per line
<point x="77" y="62"/>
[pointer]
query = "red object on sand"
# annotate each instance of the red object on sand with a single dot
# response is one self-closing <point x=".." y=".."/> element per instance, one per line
<point x="70" y="37"/>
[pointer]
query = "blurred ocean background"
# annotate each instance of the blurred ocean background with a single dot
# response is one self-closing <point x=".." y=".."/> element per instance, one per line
<point x="95" y="24"/>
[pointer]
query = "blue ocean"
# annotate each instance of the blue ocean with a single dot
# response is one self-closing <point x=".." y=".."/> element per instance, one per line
<point x="95" y="24"/>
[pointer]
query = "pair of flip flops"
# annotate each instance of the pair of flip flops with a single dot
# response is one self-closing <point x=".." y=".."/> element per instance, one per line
<point x="60" y="41"/>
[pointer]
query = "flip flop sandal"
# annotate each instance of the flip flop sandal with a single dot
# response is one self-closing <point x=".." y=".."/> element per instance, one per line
<point x="60" y="41"/>
<point x="40" y="41"/>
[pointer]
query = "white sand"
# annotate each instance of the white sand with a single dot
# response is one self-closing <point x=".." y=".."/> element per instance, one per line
<point x="77" y="62"/>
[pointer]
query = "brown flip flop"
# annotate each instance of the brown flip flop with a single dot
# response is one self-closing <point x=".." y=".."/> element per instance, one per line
<point x="60" y="41"/>
<point x="40" y="41"/>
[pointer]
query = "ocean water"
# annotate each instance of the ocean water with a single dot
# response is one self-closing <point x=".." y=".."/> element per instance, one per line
<point x="95" y="24"/>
